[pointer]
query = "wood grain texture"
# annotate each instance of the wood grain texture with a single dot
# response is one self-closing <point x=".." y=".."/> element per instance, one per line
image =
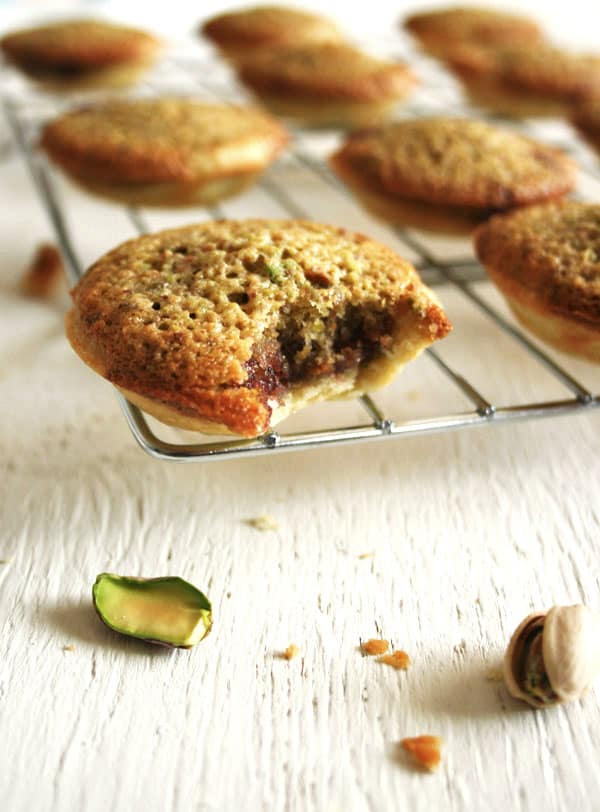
<point x="469" y="532"/>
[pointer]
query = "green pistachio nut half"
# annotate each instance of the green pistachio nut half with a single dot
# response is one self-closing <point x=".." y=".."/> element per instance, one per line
<point x="167" y="611"/>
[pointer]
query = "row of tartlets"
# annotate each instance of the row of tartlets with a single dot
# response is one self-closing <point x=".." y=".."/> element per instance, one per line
<point x="230" y="326"/>
<point x="297" y="64"/>
<point x="506" y="62"/>
<point x="300" y="65"/>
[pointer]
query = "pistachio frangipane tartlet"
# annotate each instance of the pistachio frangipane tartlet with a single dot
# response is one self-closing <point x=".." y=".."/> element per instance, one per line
<point x="327" y="84"/>
<point x="243" y="33"/>
<point x="546" y="262"/>
<point x="444" y="173"/>
<point x="229" y="326"/>
<point x="517" y="80"/>
<point x="164" y="152"/>
<point x="76" y="54"/>
<point x="441" y="28"/>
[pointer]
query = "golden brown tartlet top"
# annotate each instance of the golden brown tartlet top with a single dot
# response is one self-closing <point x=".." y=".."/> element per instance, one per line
<point x="206" y="317"/>
<point x="162" y="140"/>
<point x="329" y="71"/>
<point x="550" y="72"/>
<point x="269" y="26"/>
<point x="481" y="25"/>
<point x="458" y="162"/>
<point x="551" y="250"/>
<point x="78" y="45"/>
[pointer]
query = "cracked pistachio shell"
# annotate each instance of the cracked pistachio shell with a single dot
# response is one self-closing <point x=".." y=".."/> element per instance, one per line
<point x="571" y="648"/>
<point x="167" y="611"/>
<point x="570" y="651"/>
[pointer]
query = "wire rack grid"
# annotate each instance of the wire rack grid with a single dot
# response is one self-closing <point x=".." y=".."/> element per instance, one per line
<point x="25" y="111"/>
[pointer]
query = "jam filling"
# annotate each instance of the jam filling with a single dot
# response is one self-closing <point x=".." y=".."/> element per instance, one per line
<point x="294" y="357"/>
<point x="267" y="369"/>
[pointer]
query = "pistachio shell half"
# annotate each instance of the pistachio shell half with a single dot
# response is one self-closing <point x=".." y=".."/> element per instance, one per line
<point x="553" y="657"/>
<point x="571" y="650"/>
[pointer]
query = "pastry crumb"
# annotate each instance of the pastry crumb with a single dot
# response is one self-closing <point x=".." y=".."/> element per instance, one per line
<point x="366" y="555"/>
<point x="397" y="659"/>
<point x="494" y="675"/>
<point x="42" y="277"/>
<point x="264" y="522"/>
<point x="373" y="647"/>
<point x="426" y="750"/>
<point x="291" y="651"/>
<point x="68" y="648"/>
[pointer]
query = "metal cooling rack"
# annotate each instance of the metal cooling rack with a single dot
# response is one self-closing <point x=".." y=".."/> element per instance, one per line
<point x="25" y="111"/>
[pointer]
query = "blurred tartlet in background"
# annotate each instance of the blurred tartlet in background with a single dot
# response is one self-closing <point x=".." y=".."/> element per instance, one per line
<point x="521" y="81"/>
<point x="80" y="54"/>
<point x="443" y="28"/>
<point x="332" y="84"/>
<point x="241" y="34"/>
<point x="165" y="151"/>
<point x="546" y="262"/>
<point x="448" y="174"/>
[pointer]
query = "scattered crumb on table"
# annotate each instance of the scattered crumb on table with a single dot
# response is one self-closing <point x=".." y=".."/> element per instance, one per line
<point x="264" y="522"/>
<point x="494" y="675"/>
<point x="291" y="651"/>
<point x="366" y="555"/>
<point x="425" y="750"/>
<point x="397" y="659"/>
<point x="43" y="275"/>
<point x="68" y="648"/>
<point x="373" y="647"/>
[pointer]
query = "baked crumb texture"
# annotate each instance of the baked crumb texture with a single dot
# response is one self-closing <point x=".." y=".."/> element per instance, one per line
<point x="426" y="751"/>
<point x="374" y="647"/>
<point x="76" y="51"/>
<point x="440" y="29"/>
<point x="291" y="651"/>
<point x="455" y="162"/>
<point x="43" y="276"/>
<point x="546" y="261"/>
<point x="264" y="522"/>
<point x="240" y="33"/>
<point x="162" y="151"/>
<point x="396" y="659"/>
<point x="228" y="326"/>
<point x="326" y="83"/>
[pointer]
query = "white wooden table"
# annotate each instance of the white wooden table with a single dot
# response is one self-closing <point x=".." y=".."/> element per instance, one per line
<point x="468" y="533"/>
